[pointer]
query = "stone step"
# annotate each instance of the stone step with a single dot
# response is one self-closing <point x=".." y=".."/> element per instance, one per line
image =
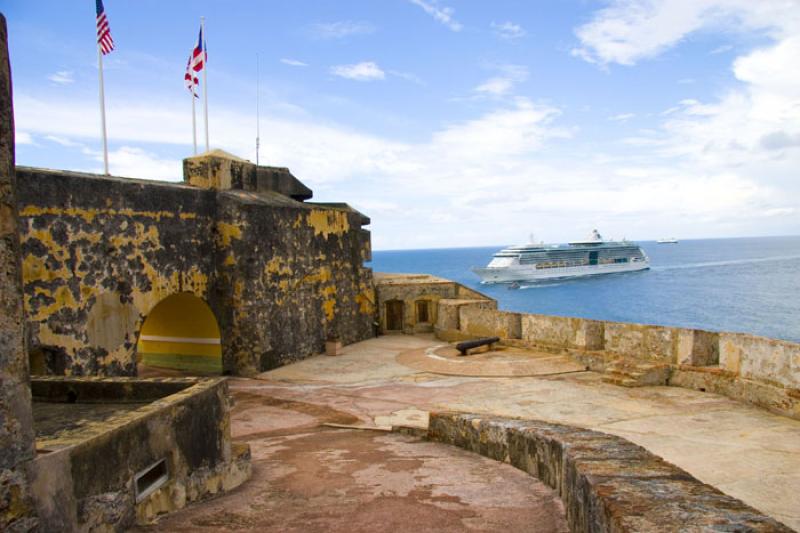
<point x="633" y="373"/>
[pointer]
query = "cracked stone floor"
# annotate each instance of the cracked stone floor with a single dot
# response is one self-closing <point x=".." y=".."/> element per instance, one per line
<point x="313" y="477"/>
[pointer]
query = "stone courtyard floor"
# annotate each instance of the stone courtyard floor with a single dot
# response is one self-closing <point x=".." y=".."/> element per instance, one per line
<point x="310" y="475"/>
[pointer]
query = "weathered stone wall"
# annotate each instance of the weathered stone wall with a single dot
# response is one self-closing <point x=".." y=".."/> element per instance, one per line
<point x="86" y="480"/>
<point x="411" y="288"/>
<point x="607" y="483"/>
<point x="291" y="276"/>
<point x="99" y="253"/>
<point x="16" y="431"/>
<point x="484" y="322"/>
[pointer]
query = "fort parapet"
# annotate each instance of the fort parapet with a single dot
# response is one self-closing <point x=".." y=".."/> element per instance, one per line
<point x="761" y="371"/>
<point x="280" y="275"/>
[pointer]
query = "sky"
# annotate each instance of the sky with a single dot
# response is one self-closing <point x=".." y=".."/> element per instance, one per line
<point x="449" y="123"/>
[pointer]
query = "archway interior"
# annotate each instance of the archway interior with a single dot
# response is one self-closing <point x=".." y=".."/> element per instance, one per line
<point x="181" y="333"/>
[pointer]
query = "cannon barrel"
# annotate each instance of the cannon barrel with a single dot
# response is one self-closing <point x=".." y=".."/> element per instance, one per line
<point x="465" y="346"/>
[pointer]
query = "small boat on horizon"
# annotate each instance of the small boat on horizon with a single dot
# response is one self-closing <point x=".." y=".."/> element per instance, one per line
<point x="668" y="240"/>
<point x="538" y="262"/>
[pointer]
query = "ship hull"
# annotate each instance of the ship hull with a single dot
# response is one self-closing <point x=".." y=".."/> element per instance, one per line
<point x="531" y="274"/>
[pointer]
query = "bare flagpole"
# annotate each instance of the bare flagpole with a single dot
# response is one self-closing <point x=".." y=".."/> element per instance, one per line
<point x="258" y="114"/>
<point x="205" y="77"/>
<point x="194" y="119"/>
<point x="102" y="109"/>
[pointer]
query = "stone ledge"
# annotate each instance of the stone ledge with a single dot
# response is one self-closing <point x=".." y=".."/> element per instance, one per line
<point x="606" y="482"/>
<point x="779" y="400"/>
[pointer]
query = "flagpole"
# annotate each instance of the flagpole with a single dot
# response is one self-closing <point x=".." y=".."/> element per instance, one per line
<point x="258" y="115"/>
<point x="194" y="121"/>
<point x="102" y="108"/>
<point x="205" y="78"/>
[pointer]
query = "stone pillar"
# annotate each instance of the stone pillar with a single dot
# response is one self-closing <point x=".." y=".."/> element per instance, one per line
<point x="16" y="424"/>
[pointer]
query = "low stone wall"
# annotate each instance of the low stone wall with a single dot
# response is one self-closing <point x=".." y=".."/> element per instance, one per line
<point x="84" y="479"/>
<point x="764" y="372"/>
<point x="564" y="333"/>
<point x="482" y="321"/>
<point x="106" y="390"/>
<point x="606" y="483"/>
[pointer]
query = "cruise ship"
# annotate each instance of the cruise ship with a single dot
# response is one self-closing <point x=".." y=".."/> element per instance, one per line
<point x="588" y="257"/>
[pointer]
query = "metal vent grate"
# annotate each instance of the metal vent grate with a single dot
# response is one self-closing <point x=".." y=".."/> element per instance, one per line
<point x="150" y="479"/>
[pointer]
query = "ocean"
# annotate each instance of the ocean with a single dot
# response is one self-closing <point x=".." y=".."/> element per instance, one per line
<point x="749" y="285"/>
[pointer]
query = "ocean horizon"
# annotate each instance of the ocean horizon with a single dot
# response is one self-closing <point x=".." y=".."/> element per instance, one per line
<point x="741" y="284"/>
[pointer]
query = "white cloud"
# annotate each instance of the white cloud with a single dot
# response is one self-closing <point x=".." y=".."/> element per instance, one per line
<point x="721" y="49"/>
<point x="129" y="161"/>
<point x="23" y="137"/>
<point x="341" y="29"/>
<point x="62" y="77"/>
<point x="504" y="83"/>
<point x="622" y="117"/>
<point x="63" y="141"/>
<point x="495" y="86"/>
<point x="293" y="62"/>
<point x="413" y="78"/>
<point x="364" y="71"/>
<point x="441" y="14"/>
<point x="628" y="31"/>
<point x="508" y="30"/>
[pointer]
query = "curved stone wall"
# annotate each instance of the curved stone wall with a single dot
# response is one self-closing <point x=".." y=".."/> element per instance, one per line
<point x="606" y="482"/>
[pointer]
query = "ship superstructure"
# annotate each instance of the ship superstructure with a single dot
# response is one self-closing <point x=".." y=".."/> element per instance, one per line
<point x="588" y="257"/>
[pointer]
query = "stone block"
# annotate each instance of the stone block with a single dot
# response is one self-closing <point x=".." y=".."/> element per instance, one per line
<point x="640" y="341"/>
<point x="762" y="359"/>
<point x="562" y="332"/>
<point x="219" y="170"/>
<point x="480" y="321"/>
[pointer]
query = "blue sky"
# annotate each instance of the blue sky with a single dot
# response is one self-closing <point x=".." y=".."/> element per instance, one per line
<point x="450" y="123"/>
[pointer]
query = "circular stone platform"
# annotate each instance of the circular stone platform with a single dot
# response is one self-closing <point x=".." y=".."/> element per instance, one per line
<point x="501" y="362"/>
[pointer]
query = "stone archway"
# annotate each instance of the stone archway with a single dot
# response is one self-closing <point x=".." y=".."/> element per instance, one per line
<point x="181" y="333"/>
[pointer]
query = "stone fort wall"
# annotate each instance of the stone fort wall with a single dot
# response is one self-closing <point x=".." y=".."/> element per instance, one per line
<point x="758" y="370"/>
<point x="16" y="427"/>
<point x="99" y="253"/>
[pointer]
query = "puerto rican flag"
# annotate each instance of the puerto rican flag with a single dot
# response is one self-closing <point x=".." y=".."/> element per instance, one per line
<point x="196" y="63"/>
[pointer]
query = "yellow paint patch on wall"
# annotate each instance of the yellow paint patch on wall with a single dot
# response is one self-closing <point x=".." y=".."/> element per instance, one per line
<point x="90" y="214"/>
<point x="328" y="222"/>
<point x="278" y="265"/>
<point x="62" y="298"/>
<point x="228" y="232"/>
<point x="194" y="281"/>
<point x="320" y="276"/>
<point x="35" y="269"/>
<point x="366" y="300"/>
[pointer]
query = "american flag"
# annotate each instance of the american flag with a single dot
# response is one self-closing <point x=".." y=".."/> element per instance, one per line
<point x="104" y="39"/>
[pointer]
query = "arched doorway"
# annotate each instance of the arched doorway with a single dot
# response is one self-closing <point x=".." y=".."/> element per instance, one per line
<point x="181" y="333"/>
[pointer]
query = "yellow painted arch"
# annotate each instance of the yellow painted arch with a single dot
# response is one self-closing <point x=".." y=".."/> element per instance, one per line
<point x="181" y="332"/>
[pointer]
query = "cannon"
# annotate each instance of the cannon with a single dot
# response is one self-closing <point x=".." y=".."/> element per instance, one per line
<point x="466" y="346"/>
